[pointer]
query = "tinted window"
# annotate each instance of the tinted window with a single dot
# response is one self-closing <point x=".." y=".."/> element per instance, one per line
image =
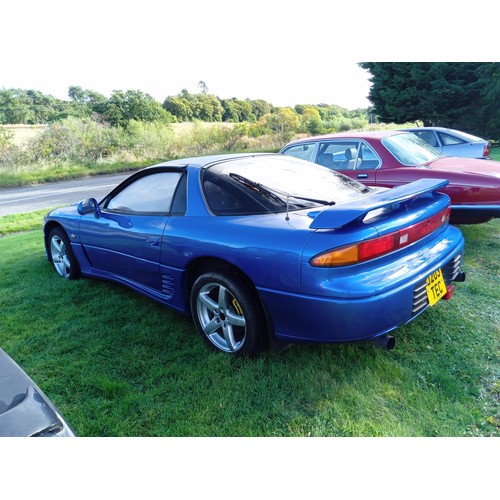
<point x="149" y="194"/>
<point x="179" y="203"/>
<point x="302" y="151"/>
<point x="225" y="196"/>
<point x="268" y="183"/>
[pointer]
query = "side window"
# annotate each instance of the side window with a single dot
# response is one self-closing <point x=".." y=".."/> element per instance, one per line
<point x="338" y="155"/>
<point x="449" y="140"/>
<point x="224" y="197"/>
<point x="369" y="159"/>
<point x="302" y="151"/>
<point x="149" y="194"/>
<point x="347" y="155"/>
<point x="427" y="136"/>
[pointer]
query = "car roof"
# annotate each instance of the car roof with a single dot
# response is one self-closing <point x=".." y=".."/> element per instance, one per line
<point x="207" y="160"/>
<point x="444" y="129"/>
<point x="379" y="134"/>
<point x="459" y="133"/>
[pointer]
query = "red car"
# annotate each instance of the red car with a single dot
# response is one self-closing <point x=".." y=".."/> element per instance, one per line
<point x="391" y="158"/>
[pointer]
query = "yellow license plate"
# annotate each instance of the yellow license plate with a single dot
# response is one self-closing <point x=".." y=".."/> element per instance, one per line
<point x="435" y="286"/>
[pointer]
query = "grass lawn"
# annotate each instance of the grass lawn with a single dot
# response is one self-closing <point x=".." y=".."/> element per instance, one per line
<point x="495" y="154"/>
<point x="118" y="364"/>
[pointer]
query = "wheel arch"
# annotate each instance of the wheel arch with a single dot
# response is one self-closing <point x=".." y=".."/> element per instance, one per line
<point x="47" y="229"/>
<point x="202" y="265"/>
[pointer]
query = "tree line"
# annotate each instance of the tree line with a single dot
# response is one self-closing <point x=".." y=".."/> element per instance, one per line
<point x="19" y="106"/>
<point x="460" y="95"/>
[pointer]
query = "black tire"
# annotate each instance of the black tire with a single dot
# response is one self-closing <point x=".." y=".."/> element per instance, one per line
<point x="61" y="255"/>
<point x="227" y="314"/>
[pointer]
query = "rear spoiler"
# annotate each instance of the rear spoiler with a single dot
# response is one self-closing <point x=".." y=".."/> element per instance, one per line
<point x="340" y="215"/>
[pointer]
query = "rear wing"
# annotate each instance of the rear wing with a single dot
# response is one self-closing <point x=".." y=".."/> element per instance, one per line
<point x="342" y="214"/>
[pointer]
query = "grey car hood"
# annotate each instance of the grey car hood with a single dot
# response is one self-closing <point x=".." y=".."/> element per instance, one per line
<point x="24" y="408"/>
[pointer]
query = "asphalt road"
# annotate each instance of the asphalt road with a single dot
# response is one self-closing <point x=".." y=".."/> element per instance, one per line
<point x="53" y="194"/>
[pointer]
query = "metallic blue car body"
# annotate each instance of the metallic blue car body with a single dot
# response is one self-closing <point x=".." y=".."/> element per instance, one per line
<point x="158" y="255"/>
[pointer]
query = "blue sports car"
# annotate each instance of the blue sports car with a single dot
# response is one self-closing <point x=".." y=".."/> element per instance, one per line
<point x="266" y="249"/>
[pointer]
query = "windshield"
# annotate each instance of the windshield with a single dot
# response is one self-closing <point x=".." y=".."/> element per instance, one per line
<point x="410" y="150"/>
<point x="275" y="183"/>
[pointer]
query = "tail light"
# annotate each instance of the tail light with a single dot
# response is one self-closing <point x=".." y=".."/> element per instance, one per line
<point x="486" y="150"/>
<point x="376" y="247"/>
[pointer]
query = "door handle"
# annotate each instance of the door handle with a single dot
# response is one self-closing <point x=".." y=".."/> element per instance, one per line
<point x="362" y="176"/>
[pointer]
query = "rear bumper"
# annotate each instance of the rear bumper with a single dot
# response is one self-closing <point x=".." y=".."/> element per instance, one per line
<point x="327" y="319"/>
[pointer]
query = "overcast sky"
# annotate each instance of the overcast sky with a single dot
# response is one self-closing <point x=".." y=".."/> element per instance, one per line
<point x="343" y="83"/>
<point x="286" y="53"/>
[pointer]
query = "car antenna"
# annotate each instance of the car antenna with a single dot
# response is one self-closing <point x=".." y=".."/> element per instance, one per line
<point x="287" y="206"/>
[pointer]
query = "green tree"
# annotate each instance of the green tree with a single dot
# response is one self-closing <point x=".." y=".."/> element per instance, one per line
<point x="203" y="87"/>
<point x="14" y="107"/>
<point x="180" y="107"/>
<point x="84" y="102"/>
<point x="45" y="108"/>
<point x="30" y="106"/>
<point x="122" y="107"/>
<point x="236" y="110"/>
<point x="457" y="95"/>
<point x="188" y="107"/>
<point x="311" y="120"/>
<point x="489" y="81"/>
<point x="283" y="124"/>
<point x="209" y="108"/>
<point x="260" y="108"/>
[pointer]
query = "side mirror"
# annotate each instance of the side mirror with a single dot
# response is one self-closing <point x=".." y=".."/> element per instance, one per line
<point x="89" y="206"/>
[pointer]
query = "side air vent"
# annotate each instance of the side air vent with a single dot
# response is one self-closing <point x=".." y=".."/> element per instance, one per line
<point x="167" y="285"/>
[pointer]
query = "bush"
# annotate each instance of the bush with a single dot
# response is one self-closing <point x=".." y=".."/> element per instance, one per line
<point x="7" y="149"/>
<point x="75" y="139"/>
<point x="344" y="124"/>
<point x="149" y="139"/>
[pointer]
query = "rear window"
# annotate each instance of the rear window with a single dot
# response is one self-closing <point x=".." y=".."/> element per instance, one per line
<point x="268" y="183"/>
<point x="410" y="150"/>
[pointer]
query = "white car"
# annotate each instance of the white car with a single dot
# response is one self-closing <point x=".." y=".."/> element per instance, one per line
<point x="453" y="142"/>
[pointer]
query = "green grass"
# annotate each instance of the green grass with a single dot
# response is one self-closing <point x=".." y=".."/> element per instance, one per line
<point x="22" y="222"/>
<point x="495" y="154"/>
<point x="118" y="364"/>
<point x="37" y="174"/>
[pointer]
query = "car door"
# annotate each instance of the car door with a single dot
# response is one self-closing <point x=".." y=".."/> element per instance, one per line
<point x="125" y="240"/>
<point x="352" y="157"/>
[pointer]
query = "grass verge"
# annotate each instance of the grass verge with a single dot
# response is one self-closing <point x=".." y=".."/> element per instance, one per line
<point x="16" y="223"/>
<point x="118" y="364"/>
<point x="61" y="172"/>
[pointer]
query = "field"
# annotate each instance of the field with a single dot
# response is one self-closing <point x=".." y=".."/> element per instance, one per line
<point x="23" y="165"/>
<point x="23" y="133"/>
<point x="118" y="364"/>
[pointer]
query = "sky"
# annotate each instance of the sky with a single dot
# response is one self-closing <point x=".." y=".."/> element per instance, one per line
<point x="285" y="53"/>
<point x="347" y="84"/>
